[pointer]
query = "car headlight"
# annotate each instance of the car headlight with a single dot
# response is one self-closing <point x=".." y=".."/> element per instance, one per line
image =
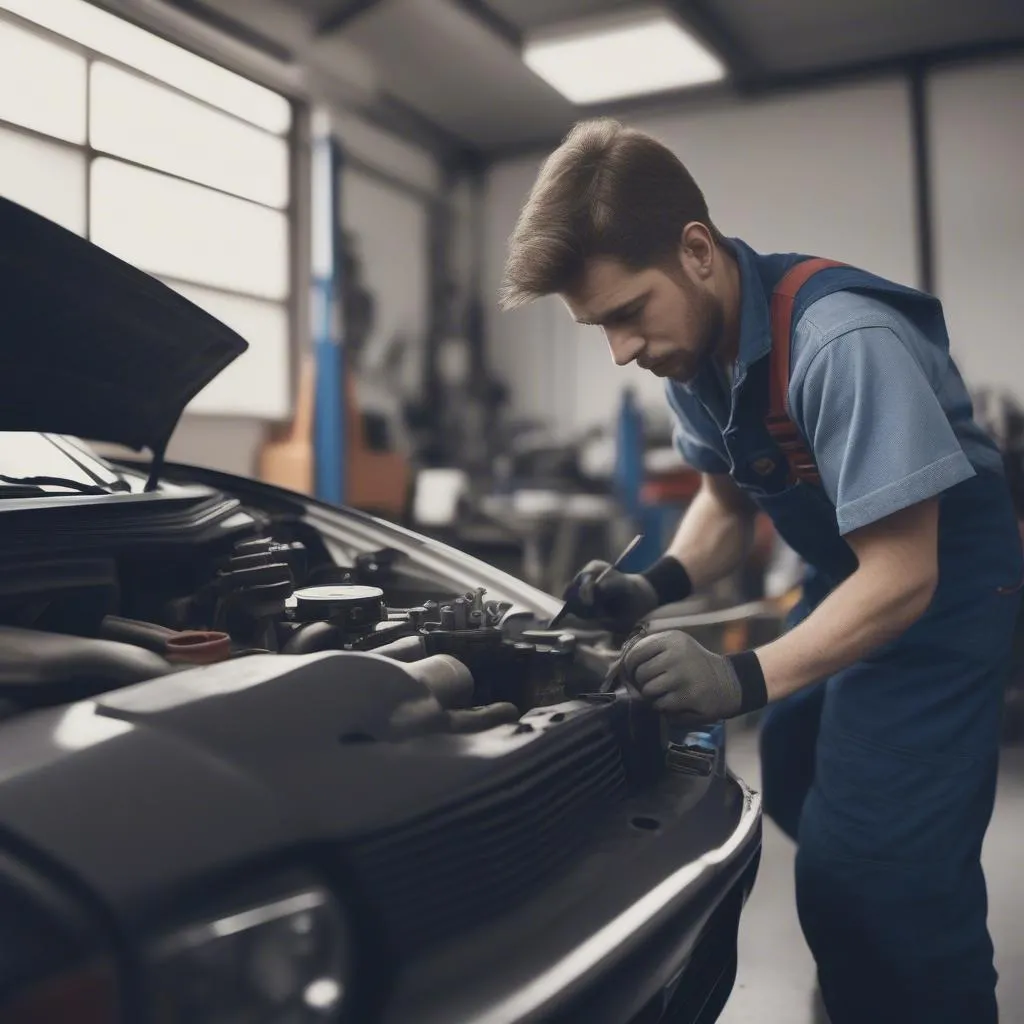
<point x="283" y="961"/>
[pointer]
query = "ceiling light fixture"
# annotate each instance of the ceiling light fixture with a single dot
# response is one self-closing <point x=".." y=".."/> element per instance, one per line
<point x="630" y="55"/>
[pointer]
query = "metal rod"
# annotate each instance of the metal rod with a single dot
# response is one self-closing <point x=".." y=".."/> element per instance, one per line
<point x="626" y="552"/>
<point x="922" y="178"/>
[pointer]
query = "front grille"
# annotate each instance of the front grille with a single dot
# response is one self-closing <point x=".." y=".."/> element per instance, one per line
<point x="444" y="875"/>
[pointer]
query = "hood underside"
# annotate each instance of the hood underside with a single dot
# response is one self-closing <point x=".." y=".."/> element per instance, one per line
<point x="93" y="347"/>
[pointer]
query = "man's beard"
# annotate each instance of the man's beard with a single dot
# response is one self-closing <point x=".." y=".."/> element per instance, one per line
<point x="709" y="329"/>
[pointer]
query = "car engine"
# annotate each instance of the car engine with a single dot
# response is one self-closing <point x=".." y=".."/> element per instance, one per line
<point x="74" y="627"/>
<point x="219" y="696"/>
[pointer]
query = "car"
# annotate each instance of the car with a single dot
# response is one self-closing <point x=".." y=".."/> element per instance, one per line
<point x="266" y="759"/>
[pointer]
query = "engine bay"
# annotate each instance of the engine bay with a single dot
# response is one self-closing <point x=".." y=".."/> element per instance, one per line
<point x="74" y="627"/>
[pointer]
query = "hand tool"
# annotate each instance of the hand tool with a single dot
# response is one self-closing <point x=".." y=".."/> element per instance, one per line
<point x="612" y="675"/>
<point x="626" y="552"/>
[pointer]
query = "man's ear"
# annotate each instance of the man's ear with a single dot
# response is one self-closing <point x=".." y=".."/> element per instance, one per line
<point x="697" y="251"/>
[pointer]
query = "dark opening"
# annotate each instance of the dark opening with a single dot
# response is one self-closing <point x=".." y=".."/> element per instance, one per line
<point x="645" y="824"/>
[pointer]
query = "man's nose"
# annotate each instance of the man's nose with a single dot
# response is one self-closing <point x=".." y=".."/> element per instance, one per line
<point x="626" y="345"/>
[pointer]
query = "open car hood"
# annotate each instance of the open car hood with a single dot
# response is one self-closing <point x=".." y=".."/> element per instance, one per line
<point x="92" y="347"/>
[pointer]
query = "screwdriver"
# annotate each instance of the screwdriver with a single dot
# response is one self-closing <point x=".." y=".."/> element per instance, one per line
<point x="626" y="552"/>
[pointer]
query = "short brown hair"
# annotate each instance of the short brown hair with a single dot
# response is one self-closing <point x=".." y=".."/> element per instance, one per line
<point x="606" y="191"/>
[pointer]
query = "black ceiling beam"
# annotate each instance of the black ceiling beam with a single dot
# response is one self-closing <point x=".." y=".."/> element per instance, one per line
<point x="899" y="63"/>
<point x="235" y="28"/>
<point x="705" y="22"/>
<point x="478" y="9"/>
<point x="491" y="19"/>
<point x="387" y="111"/>
<point x="392" y="114"/>
<point x="337" y="20"/>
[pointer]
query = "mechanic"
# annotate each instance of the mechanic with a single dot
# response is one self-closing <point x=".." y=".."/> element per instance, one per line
<point x="880" y="743"/>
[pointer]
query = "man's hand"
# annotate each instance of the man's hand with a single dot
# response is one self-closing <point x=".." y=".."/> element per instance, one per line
<point x="682" y="678"/>
<point x="618" y="601"/>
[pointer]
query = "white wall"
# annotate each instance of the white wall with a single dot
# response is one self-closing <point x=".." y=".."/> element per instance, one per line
<point x="977" y="135"/>
<point x="827" y="172"/>
<point x="228" y="443"/>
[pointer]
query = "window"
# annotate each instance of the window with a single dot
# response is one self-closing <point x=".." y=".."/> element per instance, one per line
<point x="169" y="161"/>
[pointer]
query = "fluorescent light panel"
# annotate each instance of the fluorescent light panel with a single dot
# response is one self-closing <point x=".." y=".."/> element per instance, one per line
<point x="598" y="62"/>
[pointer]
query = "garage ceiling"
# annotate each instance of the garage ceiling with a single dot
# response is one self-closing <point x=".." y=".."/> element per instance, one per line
<point x="456" y="63"/>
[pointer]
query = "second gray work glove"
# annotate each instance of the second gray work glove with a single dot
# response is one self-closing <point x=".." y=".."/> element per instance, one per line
<point x="683" y="679"/>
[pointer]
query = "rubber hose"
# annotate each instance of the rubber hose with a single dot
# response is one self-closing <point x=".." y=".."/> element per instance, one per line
<point x="30" y="659"/>
<point x="316" y="636"/>
<point x="407" y="649"/>
<point x="450" y="682"/>
<point x="184" y="647"/>
<point x="198" y="647"/>
<point x="131" y="631"/>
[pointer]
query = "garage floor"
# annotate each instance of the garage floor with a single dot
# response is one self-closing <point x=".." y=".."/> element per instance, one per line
<point x="776" y="975"/>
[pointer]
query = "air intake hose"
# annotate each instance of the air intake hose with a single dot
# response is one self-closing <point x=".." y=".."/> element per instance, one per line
<point x="40" y="666"/>
<point x="188" y="647"/>
<point x="448" y="680"/>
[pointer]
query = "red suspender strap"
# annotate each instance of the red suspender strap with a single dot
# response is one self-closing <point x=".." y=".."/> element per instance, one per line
<point x="780" y="426"/>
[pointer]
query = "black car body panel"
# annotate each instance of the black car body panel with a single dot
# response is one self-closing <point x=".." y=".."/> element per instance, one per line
<point x="99" y="349"/>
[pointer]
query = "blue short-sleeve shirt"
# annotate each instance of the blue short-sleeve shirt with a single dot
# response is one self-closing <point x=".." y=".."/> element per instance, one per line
<point x="881" y="405"/>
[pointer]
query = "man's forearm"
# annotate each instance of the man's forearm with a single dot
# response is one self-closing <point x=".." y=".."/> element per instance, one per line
<point x="713" y="537"/>
<point x="870" y="608"/>
<point x="893" y="586"/>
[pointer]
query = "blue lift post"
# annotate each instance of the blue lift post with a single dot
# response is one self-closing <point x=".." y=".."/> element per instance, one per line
<point x="328" y="344"/>
<point x="629" y="481"/>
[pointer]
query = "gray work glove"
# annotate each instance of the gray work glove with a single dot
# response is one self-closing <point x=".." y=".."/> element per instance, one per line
<point x="618" y="602"/>
<point x="687" y="681"/>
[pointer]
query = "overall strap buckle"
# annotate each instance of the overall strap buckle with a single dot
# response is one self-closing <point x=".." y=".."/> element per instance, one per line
<point x="780" y="426"/>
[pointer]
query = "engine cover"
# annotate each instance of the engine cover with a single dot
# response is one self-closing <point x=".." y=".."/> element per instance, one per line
<point x="157" y="786"/>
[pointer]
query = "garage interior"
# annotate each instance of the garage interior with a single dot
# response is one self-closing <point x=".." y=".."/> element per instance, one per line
<point x="337" y="181"/>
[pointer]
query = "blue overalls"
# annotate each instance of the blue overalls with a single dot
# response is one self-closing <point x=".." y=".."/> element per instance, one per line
<point x="885" y="774"/>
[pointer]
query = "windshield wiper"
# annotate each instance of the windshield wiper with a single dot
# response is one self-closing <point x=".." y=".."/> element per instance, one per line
<point x="35" y="486"/>
<point x="72" y="449"/>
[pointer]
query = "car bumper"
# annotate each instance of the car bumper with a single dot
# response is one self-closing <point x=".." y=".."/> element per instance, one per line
<point x="655" y="936"/>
